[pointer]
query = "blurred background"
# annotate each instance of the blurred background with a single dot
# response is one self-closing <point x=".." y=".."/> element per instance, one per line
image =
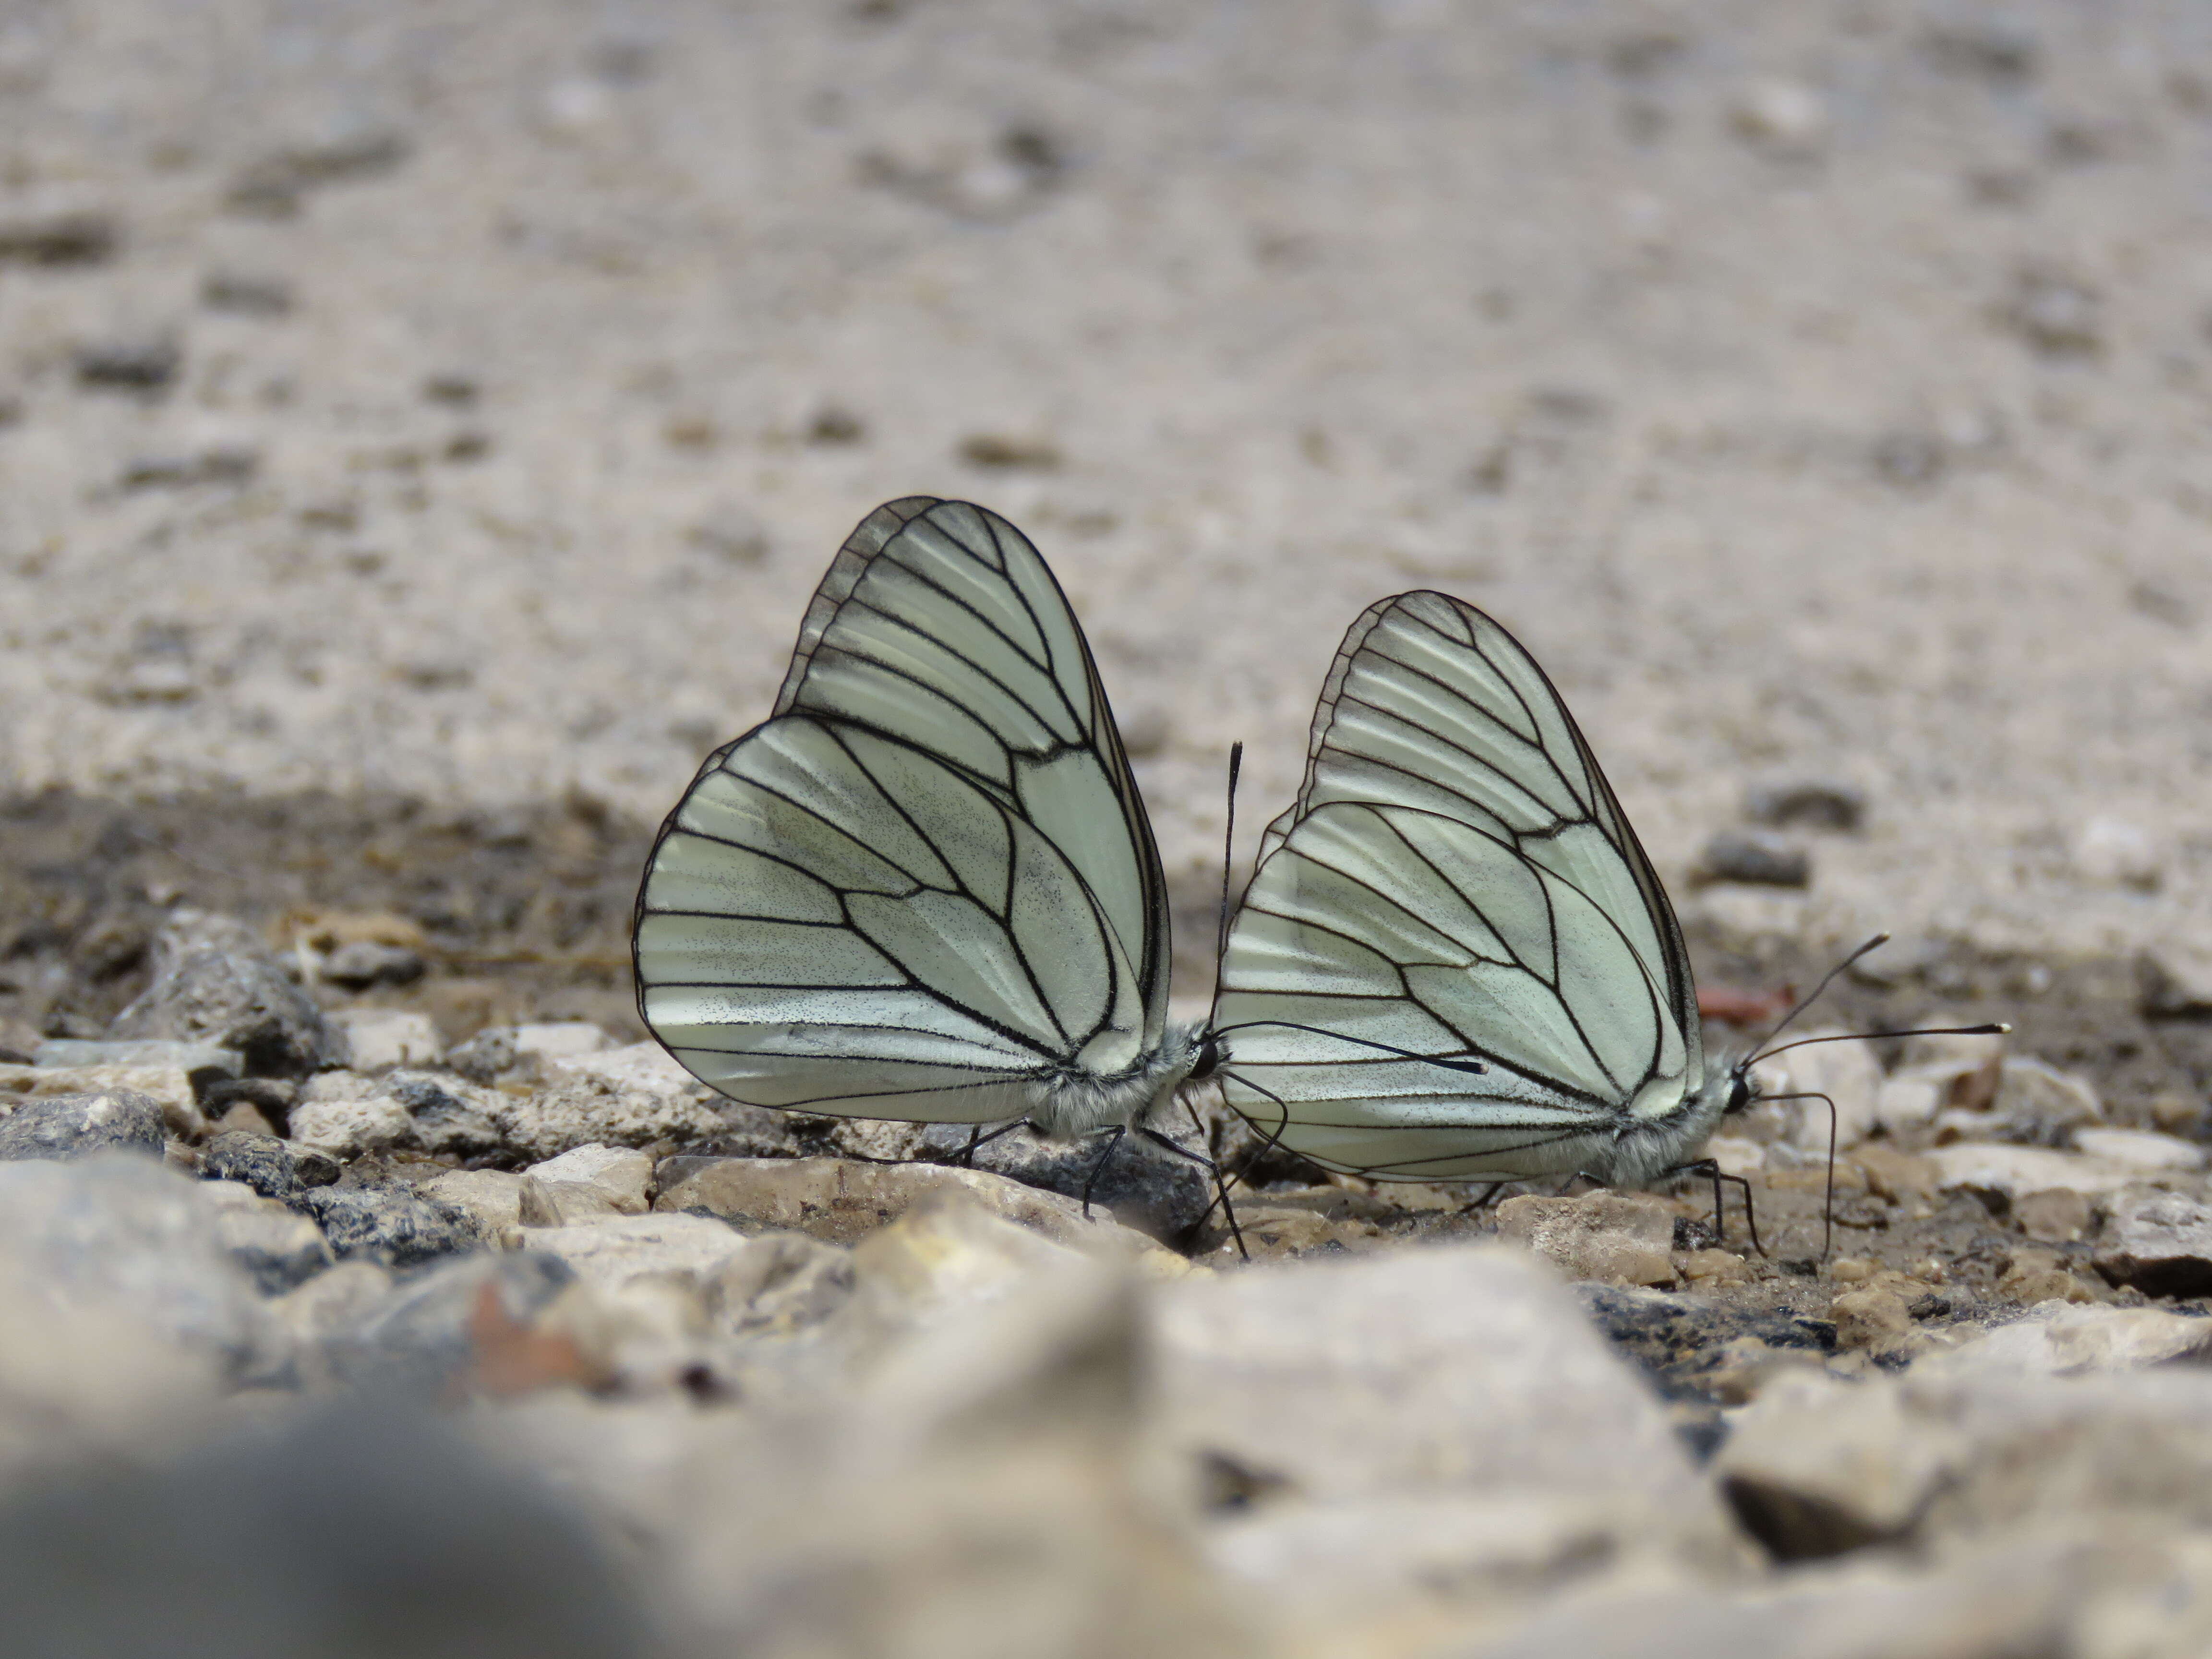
<point x="422" y="425"/>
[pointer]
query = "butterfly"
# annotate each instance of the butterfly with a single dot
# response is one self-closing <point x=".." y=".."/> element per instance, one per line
<point x="925" y="887"/>
<point x="1454" y="959"/>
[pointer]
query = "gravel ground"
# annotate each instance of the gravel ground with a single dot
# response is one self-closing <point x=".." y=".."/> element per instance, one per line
<point x="420" y="428"/>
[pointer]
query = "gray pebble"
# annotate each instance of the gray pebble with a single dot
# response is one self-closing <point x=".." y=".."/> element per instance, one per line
<point x="76" y="1126"/>
<point x="484" y="1056"/>
<point x="191" y="1058"/>
<point x="128" y="365"/>
<point x="226" y="464"/>
<point x="1816" y="802"/>
<point x="275" y="1169"/>
<point x="276" y="1249"/>
<point x="446" y="1120"/>
<point x="215" y="981"/>
<point x="363" y="963"/>
<point x="388" y="1225"/>
<point x="119" y="1228"/>
<point x="1756" y="856"/>
<point x="246" y="296"/>
<point x="1140" y="1184"/>
<point x="58" y="239"/>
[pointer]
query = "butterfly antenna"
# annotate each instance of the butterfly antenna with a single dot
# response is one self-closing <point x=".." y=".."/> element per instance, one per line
<point x="1757" y="1050"/>
<point x="1228" y="851"/>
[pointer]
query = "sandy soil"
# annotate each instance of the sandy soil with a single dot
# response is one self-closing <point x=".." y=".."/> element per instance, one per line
<point x="458" y="402"/>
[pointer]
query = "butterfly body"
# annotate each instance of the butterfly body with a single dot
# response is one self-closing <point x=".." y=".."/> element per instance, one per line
<point x="925" y="887"/>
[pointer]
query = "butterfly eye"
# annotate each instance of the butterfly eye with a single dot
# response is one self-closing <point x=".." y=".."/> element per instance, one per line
<point x="1211" y="1054"/>
<point x="1741" y="1091"/>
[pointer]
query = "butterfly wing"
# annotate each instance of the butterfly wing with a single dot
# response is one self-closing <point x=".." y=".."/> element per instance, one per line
<point x="1455" y="883"/>
<point x="925" y="885"/>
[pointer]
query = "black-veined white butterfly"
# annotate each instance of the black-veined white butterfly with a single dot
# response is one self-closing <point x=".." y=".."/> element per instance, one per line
<point x="1454" y="959"/>
<point x="925" y="887"/>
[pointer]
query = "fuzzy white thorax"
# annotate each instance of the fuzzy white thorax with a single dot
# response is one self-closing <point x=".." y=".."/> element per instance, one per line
<point x="1078" y="1102"/>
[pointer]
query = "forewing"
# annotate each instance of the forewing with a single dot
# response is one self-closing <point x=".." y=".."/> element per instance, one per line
<point x="926" y="883"/>
<point x="1455" y="854"/>
<point x="1431" y="703"/>
<point x="940" y="624"/>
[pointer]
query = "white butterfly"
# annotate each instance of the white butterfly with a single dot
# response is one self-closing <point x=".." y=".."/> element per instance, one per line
<point x="1454" y="960"/>
<point x="925" y="887"/>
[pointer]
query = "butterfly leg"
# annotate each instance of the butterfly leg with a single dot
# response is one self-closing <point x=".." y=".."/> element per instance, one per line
<point x="1099" y="1168"/>
<point x="1220" y="1184"/>
<point x="1711" y="1169"/>
<point x="968" y="1153"/>
<point x="1490" y="1192"/>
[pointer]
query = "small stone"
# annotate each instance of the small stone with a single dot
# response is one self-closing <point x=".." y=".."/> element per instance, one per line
<point x="243" y="1117"/>
<point x="1812" y="803"/>
<point x="275" y="1169"/>
<point x="1756" y="857"/>
<point x="2038" y="1104"/>
<point x="77" y="1126"/>
<point x="1003" y="453"/>
<point x="2054" y="1217"/>
<point x="629" y="1096"/>
<point x="1797" y="1465"/>
<point x="842" y="1203"/>
<point x="1621" y="1238"/>
<point x="2142" y="1150"/>
<point x="1992" y="1166"/>
<point x="1900" y="1177"/>
<point x="117" y="1228"/>
<point x="2177" y="981"/>
<point x="215" y="981"/>
<point x="1450" y="1368"/>
<point x="128" y="365"/>
<point x="498" y="1049"/>
<point x="2063" y="1338"/>
<point x="388" y="1225"/>
<point x="167" y="1087"/>
<point x="1142" y="1185"/>
<point x="1786" y="118"/>
<point x="332" y="1301"/>
<point x="449" y="1116"/>
<point x="168" y="677"/>
<point x="2035" y="1276"/>
<point x="346" y="1129"/>
<point x="380" y="1038"/>
<point x="277" y="1248"/>
<point x="586" y="1181"/>
<point x="1272" y="1231"/>
<point x="2161" y="1243"/>
<point x="2055" y="315"/>
<point x="492" y="1198"/>
<point x="2115" y="852"/>
<point x="360" y="963"/>
<point x="1876" y="1316"/>
<point x="200" y="1060"/>
<point x="1710" y="1269"/>
<point x="243" y="295"/>
<point x="58" y="239"/>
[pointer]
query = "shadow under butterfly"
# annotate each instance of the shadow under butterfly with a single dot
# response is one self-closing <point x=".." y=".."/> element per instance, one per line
<point x="925" y="888"/>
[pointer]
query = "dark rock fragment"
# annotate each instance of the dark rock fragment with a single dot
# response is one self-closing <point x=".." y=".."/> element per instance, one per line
<point x="62" y="1126"/>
